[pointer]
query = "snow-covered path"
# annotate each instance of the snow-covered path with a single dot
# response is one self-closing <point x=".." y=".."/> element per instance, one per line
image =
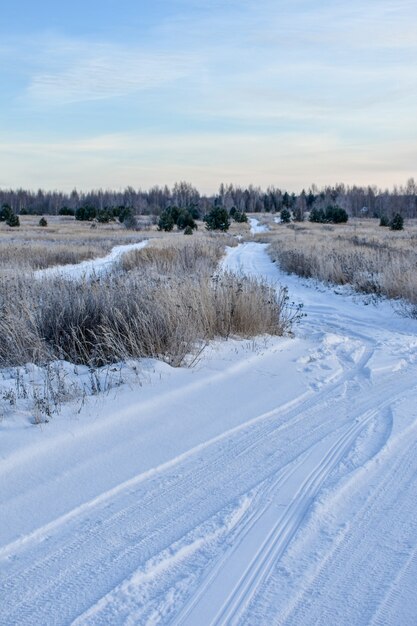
<point x="256" y="227"/>
<point x="275" y="483"/>
<point x="93" y="267"/>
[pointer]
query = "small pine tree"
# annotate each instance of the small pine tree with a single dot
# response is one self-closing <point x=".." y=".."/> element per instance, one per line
<point x="299" y="214"/>
<point x="5" y="212"/>
<point x="188" y="230"/>
<point x="217" y="219"/>
<point x="166" y="220"/>
<point x="66" y="211"/>
<point x="85" y="213"/>
<point x="383" y="221"/>
<point x="240" y="217"/>
<point x="130" y="222"/>
<point x="397" y="222"/>
<point x="185" y="220"/>
<point x="13" y="220"/>
<point x="285" y="216"/>
<point x="317" y="216"/>
<point x="43" y="222"/>
<point x="332" y="215"/>
<point x="104" y="216"/>
<point x="335" y="214"/>
<point x="123" y="213"/>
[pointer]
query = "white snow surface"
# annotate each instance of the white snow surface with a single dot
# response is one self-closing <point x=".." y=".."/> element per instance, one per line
<point x="275" y="482"/>
<point x="256" y="226"/>
<point x="92" y="268"/>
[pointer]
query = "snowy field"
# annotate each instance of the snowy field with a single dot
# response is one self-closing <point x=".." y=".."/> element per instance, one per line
<point x="275" y="482"/>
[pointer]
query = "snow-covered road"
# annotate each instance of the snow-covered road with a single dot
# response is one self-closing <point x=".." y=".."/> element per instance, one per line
<point x="91" y="268"/>
<point x="256" y="227"/>
<point x="274" y="483"/>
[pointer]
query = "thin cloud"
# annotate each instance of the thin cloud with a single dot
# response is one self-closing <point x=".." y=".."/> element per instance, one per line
<point x="97" y="72"/>
<point x="291" y="92"/>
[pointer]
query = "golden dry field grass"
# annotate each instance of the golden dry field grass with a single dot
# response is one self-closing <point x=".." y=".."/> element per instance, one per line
<point x="371" y="258"/>
<point x="64" y="240"/>
<point x="163" y="301"/>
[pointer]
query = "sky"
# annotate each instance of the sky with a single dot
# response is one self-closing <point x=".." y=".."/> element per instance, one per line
<point x="142" y="93"/>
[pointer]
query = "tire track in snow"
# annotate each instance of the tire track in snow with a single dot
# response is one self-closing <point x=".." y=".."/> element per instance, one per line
<point x="105" y="547"/>
<point x="385" y="518"/>
<point x="289" y="414"/>
<point x="259" y="503"/>
<point x="305" y="485"/>
<point x="392" y="609"/>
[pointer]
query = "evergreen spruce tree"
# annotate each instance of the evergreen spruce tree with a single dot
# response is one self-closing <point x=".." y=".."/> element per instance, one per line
<point x="13" y="220"/>
<point x="285" y="216"/>
<point x="397" y="222"/>
<point x="217" y="219"/>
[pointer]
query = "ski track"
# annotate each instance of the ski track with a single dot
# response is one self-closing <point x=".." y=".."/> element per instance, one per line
<point x="303" y="513"/>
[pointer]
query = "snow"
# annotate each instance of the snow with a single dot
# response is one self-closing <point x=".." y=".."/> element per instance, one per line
<point x="91" y="268"/>
<point x="273" y="482"/>
<point x="256" y="227"/>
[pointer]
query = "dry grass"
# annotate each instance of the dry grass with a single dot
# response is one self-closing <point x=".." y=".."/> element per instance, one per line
<point x="66" y="240"/>
<point x="61" y="227"/>
<point x="370" y="258"/>
<point x="63" y="241"/>
<point x="178" y="255"/>
<point x="162" y="302"/>
<point x="26" y="255"/>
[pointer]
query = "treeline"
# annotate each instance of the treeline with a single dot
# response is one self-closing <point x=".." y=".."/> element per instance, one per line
<point x="356" y="201"/>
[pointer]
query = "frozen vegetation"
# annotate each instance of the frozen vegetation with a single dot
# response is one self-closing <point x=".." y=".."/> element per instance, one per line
<point x="93" y="268"/>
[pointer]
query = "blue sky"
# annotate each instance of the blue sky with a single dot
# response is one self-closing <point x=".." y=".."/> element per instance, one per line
<point x="287" y="93"/>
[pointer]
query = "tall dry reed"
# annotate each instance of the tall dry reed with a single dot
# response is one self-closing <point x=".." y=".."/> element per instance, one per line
<point x="163" y="303"/>
<point x="372" y="259"/>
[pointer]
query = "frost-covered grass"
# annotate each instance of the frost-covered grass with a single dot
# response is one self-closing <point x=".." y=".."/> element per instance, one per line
<point x="28" y="255"/>
<point x="160" y="302"/>
<point x="40" y="392"/>
<point x="372" y="259"/>
<point x="64" y="241"/>
<point x="172" y="254"/>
